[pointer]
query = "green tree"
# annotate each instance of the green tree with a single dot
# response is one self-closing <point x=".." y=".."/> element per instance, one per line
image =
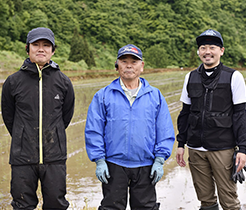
<point x="156" y="56"/>
<point x="77" y="44"/>
<point x="110" y="24"/>
<point x="16" y="26"/>
<point x="4" y="15"/>
<point x="193" y="58"/>
<point x="88" y="55"/>
<point x="38" y="19"/>
<point x="80" y="50"/>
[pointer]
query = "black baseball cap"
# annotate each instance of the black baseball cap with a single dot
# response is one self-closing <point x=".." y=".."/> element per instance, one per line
<point x="210" y="37"/>
<point x="40" y="33"/>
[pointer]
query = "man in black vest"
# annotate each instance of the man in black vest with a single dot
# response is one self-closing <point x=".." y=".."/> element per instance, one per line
<point x="212" y="123"/>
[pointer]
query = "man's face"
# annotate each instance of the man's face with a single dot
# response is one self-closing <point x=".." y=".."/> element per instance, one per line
<point x="130" y="67"/>
<point x="40" y="52"/>
<point x="210" y="55"/>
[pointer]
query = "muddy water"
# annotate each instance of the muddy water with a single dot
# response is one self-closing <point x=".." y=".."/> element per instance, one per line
<point x="174" y="191"/>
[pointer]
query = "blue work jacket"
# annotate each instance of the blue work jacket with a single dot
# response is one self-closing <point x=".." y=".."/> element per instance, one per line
<point x="129" y="135"/>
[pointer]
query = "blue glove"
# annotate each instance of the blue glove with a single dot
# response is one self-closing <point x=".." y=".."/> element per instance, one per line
<point x="102" y="172"/>
<point x="157" y="170"/>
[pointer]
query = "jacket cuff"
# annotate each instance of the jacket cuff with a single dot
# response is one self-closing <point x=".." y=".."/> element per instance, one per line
<point x="242" y="150"/>
<point x="181" y="144"/>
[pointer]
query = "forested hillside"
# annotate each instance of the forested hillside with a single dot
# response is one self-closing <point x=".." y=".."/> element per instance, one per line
<point x="165" y="30"/>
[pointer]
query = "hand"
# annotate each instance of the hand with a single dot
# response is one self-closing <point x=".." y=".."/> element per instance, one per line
<point x="180" y="157"/>
<point x="238" y="165"/>
<point x="102" y="172"/>
<point x="240" y="161"/>
<point x="157" y="170"/>
<point x="238" y="176"/>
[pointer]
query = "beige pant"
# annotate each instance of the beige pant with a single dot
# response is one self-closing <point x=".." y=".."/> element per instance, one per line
<point x="210" y="169"/>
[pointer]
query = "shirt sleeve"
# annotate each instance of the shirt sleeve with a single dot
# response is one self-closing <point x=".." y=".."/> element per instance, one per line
<point x="184" y="95"/>
<point x="238" y="88"/>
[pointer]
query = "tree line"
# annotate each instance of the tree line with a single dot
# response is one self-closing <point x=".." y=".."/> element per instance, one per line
<point x="94" y="30"/>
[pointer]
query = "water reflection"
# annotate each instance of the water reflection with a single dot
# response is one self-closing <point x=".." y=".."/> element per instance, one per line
<point x="174" y="191"/>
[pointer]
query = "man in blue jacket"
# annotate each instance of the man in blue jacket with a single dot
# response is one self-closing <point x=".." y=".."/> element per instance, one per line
<point x="129" y="134"/>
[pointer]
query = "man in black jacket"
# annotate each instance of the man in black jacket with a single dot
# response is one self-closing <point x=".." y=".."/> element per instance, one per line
<point x="37" y="106"/>
<point x="212" y="124"/>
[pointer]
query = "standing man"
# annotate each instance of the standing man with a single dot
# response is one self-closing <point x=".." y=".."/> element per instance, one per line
<point x="212" y="124"/>
<point x="129" y="134"/>
<point x="37" y="106"/>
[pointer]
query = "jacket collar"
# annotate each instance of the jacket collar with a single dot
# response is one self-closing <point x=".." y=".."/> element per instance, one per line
<point x="144" y="88"/>
<point x="29" y="66"/>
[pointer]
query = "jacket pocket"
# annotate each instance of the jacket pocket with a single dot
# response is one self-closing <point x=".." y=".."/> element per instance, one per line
<point x="54" y="144"/>
<point x="219" y="122"/>
<point x="16" y="145"/>
<point x="196" y="101"/>
<point x="195" y="93"/>
<point x="62" y="140"/>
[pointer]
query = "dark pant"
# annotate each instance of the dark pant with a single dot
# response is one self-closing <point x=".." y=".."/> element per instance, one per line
<point x="211" y="171"/>
<point x="142" y="192"/>
<point x="24" y="185"/>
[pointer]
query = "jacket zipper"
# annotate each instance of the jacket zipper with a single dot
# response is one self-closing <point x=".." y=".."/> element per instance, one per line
<point x="40" y="114"/>
<point x="129" y="130"/>
<point x="129" y="134"/>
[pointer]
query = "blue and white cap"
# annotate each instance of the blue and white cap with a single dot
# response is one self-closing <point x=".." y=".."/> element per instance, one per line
<point x="130" y="49"/>
<point x="210" y="37"/>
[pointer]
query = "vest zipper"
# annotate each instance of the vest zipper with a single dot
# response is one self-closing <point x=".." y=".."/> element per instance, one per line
<point x="203" y="113"/>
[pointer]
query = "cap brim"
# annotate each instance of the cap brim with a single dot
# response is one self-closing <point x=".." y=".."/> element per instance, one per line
<point x="202" y="39"/>
<point x="128" y="53"/>
<point x="42" y="37"/>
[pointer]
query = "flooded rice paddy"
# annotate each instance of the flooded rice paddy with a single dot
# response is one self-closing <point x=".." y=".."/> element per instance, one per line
<point x="174" y="191"/>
